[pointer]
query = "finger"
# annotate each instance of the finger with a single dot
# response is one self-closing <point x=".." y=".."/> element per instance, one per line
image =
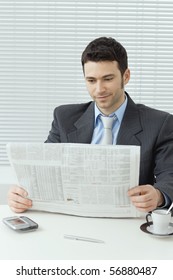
<point x="134" y="191"/>
<point x="18" y="207"/>
<point x="15" y="189"/>
<point x="147" y="209"/>
<point x="142" y="189"/>
<point x="20" y="202"/>
<point x="145" y="206"/>
<point x="141" y="198"/>
<point x="18" y="210"/>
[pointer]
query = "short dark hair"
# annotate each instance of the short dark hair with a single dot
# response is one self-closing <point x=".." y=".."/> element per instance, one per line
<point x="106" y="49"/>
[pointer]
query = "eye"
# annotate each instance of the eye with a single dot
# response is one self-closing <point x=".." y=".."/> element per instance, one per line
<point x="108" y="78"/>
<point x="91" y="81"/>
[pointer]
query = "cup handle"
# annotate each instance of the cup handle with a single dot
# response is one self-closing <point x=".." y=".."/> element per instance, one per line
<point x="148" y="218"/>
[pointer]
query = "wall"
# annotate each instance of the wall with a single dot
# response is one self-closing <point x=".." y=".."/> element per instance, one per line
<point x="7" y="178"/>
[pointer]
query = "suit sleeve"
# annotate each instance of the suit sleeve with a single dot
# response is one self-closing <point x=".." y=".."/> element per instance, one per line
<point x="54" y="133"/>
<point x="164" y="158"/>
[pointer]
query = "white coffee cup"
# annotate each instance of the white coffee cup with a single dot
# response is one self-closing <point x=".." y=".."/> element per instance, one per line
<point x="160" y="221"/>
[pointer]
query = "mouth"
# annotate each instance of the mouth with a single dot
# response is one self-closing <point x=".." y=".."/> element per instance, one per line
<point x="102" y="97"/>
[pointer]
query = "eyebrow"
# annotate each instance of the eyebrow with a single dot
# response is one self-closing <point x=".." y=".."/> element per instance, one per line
<point x="105" y="76"/>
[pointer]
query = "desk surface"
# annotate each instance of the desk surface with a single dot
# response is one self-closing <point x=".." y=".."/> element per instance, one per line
<point x="123" y="239"/>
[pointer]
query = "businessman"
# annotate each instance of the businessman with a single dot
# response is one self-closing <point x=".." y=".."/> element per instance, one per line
<point x="106" y="72"/>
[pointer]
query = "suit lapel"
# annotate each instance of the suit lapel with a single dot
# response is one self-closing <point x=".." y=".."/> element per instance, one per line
<point x="84" y="127"/>
<point x="127" y="135"/>
<point x="130" y="125"/>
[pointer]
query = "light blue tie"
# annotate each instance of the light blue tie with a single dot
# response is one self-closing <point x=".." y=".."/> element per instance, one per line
<point x="107" y="132"/>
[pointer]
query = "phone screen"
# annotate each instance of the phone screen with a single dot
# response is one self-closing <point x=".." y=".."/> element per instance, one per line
<point x="17" y="221"/>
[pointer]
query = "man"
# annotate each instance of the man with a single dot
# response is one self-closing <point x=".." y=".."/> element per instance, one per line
<point x="106" y="72"/>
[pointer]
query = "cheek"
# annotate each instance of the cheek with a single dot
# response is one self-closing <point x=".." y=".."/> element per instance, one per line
<point x="117" y="86"/>
<point x="90" y="89"/>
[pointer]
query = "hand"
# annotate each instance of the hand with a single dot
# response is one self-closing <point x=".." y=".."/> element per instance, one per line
<point x="145" y="197"/>
<point x="17" y="199"/>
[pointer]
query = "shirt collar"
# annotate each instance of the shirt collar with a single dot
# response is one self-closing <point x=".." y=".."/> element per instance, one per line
<point x="119" y="112"/>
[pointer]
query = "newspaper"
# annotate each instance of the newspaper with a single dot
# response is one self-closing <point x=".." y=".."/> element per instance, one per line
<point x="77" y="179"/>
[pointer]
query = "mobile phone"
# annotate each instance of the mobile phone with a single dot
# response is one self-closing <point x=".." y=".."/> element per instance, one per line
<point x="20" y="223"/>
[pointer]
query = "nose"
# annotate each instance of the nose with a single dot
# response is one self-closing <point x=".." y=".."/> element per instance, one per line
<point x="100" y="87"/>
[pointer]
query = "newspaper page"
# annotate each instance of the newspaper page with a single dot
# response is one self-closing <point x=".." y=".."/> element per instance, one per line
<point x="77" y="179"/>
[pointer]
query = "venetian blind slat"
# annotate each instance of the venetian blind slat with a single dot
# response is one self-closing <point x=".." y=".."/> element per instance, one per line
<point x="41" y="43"/>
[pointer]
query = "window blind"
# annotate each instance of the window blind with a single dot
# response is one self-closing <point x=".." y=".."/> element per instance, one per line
<point x="41" y="42"/>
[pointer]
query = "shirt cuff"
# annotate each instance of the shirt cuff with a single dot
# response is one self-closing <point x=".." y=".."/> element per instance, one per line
<point x="167" y="201"/>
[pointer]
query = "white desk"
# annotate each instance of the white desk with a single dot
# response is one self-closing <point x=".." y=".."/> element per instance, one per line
<point x="123" y="239"/>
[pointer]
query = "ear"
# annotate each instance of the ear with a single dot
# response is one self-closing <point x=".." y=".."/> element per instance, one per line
<point x="126" y="76"/>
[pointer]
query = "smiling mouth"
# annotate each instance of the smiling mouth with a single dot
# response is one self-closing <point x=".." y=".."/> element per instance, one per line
<point x="102" y="97"/>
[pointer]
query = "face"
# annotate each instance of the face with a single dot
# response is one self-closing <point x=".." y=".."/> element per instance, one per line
<point x="105" y="84"/>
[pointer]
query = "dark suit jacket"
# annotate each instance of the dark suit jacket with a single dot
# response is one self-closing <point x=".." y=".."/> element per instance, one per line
<point x="148" y="128"/>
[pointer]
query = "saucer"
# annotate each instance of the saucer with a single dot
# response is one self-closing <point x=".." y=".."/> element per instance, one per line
<point x="148" y="228"/>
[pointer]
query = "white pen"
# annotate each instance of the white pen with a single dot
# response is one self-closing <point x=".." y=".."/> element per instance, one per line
<point x="81" y="238"/>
